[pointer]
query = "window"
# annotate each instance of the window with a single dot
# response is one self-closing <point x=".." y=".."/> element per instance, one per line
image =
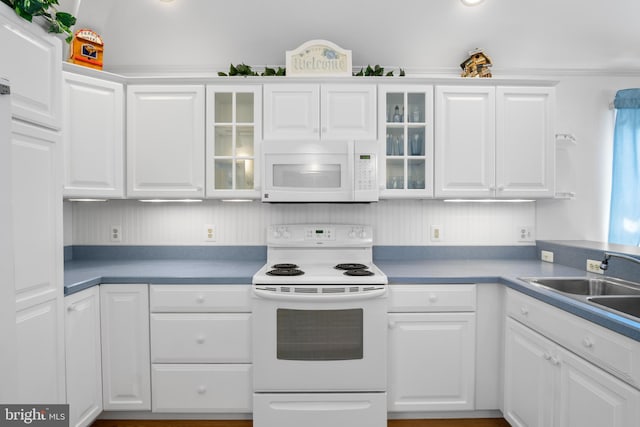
<point x="624" y="223"/>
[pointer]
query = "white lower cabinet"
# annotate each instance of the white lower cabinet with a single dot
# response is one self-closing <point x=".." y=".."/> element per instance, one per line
<point x="432" y="348"/>
<point x="83" y="356"/>
<point x="201" y="348"/>
<point x="126" y="370"/>
<point x="549" y="386"/>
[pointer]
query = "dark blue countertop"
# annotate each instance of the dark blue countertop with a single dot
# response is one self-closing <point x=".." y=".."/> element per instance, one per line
<point x="82" y="274"/>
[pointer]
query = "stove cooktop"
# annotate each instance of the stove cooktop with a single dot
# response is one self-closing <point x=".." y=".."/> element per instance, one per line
<point x="320" y="273"/>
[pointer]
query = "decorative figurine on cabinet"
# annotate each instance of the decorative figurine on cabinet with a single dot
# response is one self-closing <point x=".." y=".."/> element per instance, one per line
<point x="478" y="64"/>
<point x="86" y="49"/>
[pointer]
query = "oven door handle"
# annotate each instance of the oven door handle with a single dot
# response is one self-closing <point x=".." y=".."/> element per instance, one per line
<point x="279" y="296"/>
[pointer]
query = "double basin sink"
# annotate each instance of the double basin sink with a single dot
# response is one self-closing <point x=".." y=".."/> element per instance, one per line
<point x="615" y="295"/>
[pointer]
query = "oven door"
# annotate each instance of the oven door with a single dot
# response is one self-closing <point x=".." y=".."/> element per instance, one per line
<point x="319" y="343"/>
<point x="296" y="171"/>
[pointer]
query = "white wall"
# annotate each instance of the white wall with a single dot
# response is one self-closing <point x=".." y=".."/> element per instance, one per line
<point x="397" y="222"/>
<point x="583" y="110"/>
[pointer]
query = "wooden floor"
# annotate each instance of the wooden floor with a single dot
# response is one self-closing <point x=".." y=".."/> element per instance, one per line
<point x="475" y="422"/>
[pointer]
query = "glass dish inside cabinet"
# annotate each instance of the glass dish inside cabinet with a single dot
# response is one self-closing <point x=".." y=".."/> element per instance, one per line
<point x="395" y="142"/>
<point x="395" y="107"/>
<point x="416" y="174"/>
<point x="395" y="174"/>
<point x="416" y="141"/>
<point x="416" y="103"/>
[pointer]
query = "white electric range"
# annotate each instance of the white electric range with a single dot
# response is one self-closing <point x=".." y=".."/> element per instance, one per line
<point x="319" y="329"/>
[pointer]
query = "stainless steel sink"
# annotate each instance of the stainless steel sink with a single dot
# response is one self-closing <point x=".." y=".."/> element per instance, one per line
<point x="626" y="304"/>
<point x="611" y="294"/>
<point x="586" y="285"/>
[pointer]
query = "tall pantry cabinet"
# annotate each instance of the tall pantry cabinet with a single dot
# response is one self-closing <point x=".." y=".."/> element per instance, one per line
<point x="34" y="212"/>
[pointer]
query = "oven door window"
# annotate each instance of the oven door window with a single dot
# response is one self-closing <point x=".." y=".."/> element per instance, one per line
<point x="320" y="335"/>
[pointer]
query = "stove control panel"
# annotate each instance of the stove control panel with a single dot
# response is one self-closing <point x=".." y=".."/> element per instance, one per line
<point x="319" y="234"/>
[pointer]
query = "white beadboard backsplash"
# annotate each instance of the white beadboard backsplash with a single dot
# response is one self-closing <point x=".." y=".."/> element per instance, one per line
<point x="395" y="222"/>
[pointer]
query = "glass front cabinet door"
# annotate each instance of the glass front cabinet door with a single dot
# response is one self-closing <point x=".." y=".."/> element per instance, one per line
<point x="233" y="132"/>
<point x="406" y="134"/>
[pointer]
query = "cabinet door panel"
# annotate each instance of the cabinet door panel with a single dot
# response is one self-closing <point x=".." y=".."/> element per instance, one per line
<point x="465" y="141"/>
<point x="531" y="385"/>
<point x="83" y="355"/>
<point x="525" y="154"/>
<point x="291" y="111"/>
<point x="165" y="141"/>
<point x="431" y="361"/>
<point x="40" y="354"/>
<point x="124" y="313"/>
<point x="348" y="112"/>
<point x="594" y="398"/>
<point x="32" y="65"/>
<point x="36" y="214"/>
<point x="93" y="137"/>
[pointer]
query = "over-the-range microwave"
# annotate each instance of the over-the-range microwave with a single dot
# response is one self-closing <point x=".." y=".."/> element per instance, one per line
<point x="319" y="171"/>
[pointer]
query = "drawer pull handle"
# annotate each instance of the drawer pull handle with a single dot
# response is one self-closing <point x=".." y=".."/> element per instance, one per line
<point x="433" y="298"/>
<point x="546" y="356"/>
<point x="524" y="311"/>
<point x="200" y="339"/>
<point x="202" y="389"/>
<point x="200" y="299"/>
<point x="587" y="342"/>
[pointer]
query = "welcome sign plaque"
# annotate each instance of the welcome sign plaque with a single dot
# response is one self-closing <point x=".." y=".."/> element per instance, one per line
<point x="318" y="58"/>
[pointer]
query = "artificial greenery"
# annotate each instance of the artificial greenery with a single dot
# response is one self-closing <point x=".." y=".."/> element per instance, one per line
<point x="246" y="70"/>
<point x="59" y="22"/>
<point x="375" y="71"/>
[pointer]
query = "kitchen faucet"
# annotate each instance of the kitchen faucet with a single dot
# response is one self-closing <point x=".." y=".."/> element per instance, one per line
<point x="605" y="262"/>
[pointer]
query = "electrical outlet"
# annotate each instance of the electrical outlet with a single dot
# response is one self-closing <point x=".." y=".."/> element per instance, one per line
<point x="209" y="233"/>
<point x="436" y="233"/>
<point x="115" y="233"/>
<point x="593" y="266"/>
<point x="546" y="256"/>
<point x="525" y="233"/>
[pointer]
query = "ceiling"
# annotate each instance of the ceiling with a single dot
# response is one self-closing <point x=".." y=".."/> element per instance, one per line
<point x="430" y="36"/>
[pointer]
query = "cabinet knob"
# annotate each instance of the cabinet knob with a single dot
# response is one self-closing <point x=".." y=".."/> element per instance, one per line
<point x="546" y="356"/>
<point x="524" y="311"/>
<point x="71" y="308"/>
<point x="200" y="298"/>
<point x="200" y="339"/>
<point x="555" y="361"/>
<point x="392" y="324"/>
<point x="500" y="187"/>
<point x="433" y="298"/>
<point x="202" y="389"/>
<point x="587" y="342"/>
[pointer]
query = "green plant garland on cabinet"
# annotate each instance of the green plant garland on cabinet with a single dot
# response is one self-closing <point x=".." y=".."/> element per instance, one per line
<point x="246" y="70"/>
<point x="59" y="22"/>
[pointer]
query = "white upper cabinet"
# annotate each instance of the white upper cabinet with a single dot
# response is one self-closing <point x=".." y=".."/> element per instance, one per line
<point x="312" y="111"/>
<point x="465" y="141"/>
<point x="406" y="121"/>
<point x="525" y="140"/>
<point x="93" y="137"/>
<point x="165" y="141"/>
<point x="233" y="141"/>
<point x="32" y="65"/>
<point x="494" y="142"/>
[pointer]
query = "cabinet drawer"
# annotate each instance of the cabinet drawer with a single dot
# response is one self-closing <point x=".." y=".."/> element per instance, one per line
<point x="425" y="298"/>
<point x="608" y="350"/>
<point x="202" y="388"/>
<point x="200" y="337"/>
<point x="200" y="298"/>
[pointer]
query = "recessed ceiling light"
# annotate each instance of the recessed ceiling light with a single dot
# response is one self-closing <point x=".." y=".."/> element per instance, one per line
<point x="471" y="2"/>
